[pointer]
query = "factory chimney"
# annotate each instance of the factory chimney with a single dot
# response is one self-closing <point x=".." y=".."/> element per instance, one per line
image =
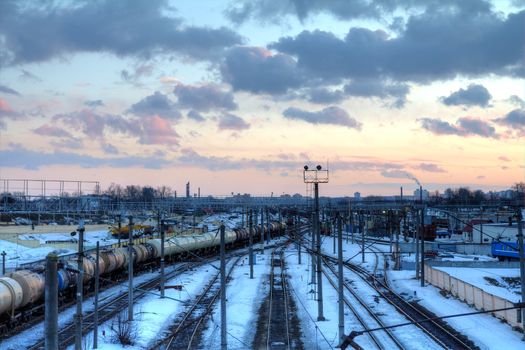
<point x="188" y="190"/>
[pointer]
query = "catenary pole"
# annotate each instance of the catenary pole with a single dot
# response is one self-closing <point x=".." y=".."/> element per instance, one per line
<point x="97" y="281"/>
<point x="340" y="276"/>
<point x="80" y="284"/>
<point x="130" y="270"/>
<point x="320" y="316"/>
<point x="422" y="237"/>
<point x="250" y="234"/>
<point x="223" y="292"/>
<point x="51" y="303"/>
<point x="162" y="257"/>
<point x="522" y="265"/>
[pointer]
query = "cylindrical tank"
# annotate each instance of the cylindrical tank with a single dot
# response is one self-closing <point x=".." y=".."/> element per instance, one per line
<point x="122" y="256"/>
<point x="112" y="261"/>
<point x="11" y="294"/>
<point x="32" y="285"/>
<point x="64" y="279"/>
<point x="89" y="269"/>
<point x="101" y="263"/>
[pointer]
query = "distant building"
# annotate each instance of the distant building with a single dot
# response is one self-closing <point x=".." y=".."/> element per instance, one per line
<point x="417" y="195"/>
<point x="357" y="196"/>
<point x="188" y="190"/>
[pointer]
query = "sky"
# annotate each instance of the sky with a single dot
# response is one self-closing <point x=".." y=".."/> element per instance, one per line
<point x="237" y="96"/>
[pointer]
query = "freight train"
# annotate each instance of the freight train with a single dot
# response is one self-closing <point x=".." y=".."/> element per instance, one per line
<point x="21" y="292"/>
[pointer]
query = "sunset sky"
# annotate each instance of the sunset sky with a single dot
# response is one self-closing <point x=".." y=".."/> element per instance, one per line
<point x="236" y="96"/>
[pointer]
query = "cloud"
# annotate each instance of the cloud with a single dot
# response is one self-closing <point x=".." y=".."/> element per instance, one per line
<point x="473" y="95"/>
<point x="397" y="174"/>
<point x="428" y="49"/>
<point x="7" y="90"/>
<point x="68" y="143"/>
<point x="156" y="104"/>
<point x="148" y="129"/>
<point x="50" y="130"/>
<point x="94" y="103"/>
<point x="330" y="115"/>
<point x="232" y="122"/>
<point x="258" y="70"/>
<point x="270" y="10"/>
<point x="137" y="28"/>
<point x="516" y="100"/>
<point x="325" y="96"/>
<point x="466" y="126"/>
<point x="504" y="158"/>
<point x="480" y="177"/>
<point x="431" y="168"/>
<point x="25" y="75"/>
<point x="378" y="88"/>
<point x="513" y="119"/>
<point x="16" y="156"/>
<point x="157" y="131"/>
<point x="194" y="115"/>
<point x="204" y="98"/>
<point x="109" y="149"/>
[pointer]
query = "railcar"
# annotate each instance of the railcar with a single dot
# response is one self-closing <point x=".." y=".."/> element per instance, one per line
<point x="505" y="250"/>
<point x="23" y="290"/>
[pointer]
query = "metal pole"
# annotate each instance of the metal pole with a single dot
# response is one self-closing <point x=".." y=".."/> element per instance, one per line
<point x="80" y="283"/>
<point x="417" y="234"/>
<point x="340" y="276"/>
<point x="362" y="229"/>
<point x="119" y="220"/>
<point x="250" y="234"/>
<point x="320" y="316"/>
<point x="267" y="226"/>
<point x="3" y="262"/>
<point x="223" y="292"/>
<point x="97" y="275"/>
<point x="313" y="228"/>
<point x="422" y="237"/>
<point x="522" y="266"/>
<point x="51" y="303"/>
<point x="390" y="224"/>
<point x="162" y="263"/>
<point x="333" y="232"/>
<point x="299" y="238"/>
<point x="130" y="270"/>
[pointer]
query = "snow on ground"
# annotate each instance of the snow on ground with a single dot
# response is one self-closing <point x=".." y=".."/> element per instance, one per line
<point x="486" y="331"/>
<point x="90" y="237"/>
<point x="17" y="254"/>
<point x="489" y="279"/>
<point x="153" y="316"/>
<point x="244" y="298"/>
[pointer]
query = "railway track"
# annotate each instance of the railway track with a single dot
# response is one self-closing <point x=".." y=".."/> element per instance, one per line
<point x="66" y="335"/>
<point x="368" y="319"/>
<point x="439" y="331"/>
<point x="185" y="332"/>
<point x="278" y="329"/>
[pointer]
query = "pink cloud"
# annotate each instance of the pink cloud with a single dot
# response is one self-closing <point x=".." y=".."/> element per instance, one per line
<point x="157" y="130"/>
<point x="50" y="130"/>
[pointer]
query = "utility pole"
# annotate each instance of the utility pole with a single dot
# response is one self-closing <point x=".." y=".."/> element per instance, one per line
<point x="162" y="262"/>
<point x="51" y="303"/>
<point x="250" y="234"/>
<point x="362" y="231"/>
<point x="267" y="226"/>
<point x="320" y="316"/>
<point x="223" y="292"/>
<point x="130" y="270"/>
<point x="422" y="237"/>
<point x="3" y="262"/>
<point x="340" y="277"/>
<point x="417" y="233"/>
<point x="298" y="237"/>
<point x="97" y="275"/>
<point x="522" y="266"/>
<point x="332" y="226"/>
<point x="313" y="228"/>
<point x="119" y="221"/>
<point x="80" y="284"/>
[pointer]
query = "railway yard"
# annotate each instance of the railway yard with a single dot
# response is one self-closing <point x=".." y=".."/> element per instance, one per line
<point x="276" y="303"/>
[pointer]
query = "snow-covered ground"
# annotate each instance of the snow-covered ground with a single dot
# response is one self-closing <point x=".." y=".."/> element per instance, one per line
<point x="17" y="254"/>
<point x="493" y="281"/>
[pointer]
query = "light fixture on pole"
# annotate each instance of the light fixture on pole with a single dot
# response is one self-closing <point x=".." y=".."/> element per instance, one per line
<point x="316" y="177"/>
